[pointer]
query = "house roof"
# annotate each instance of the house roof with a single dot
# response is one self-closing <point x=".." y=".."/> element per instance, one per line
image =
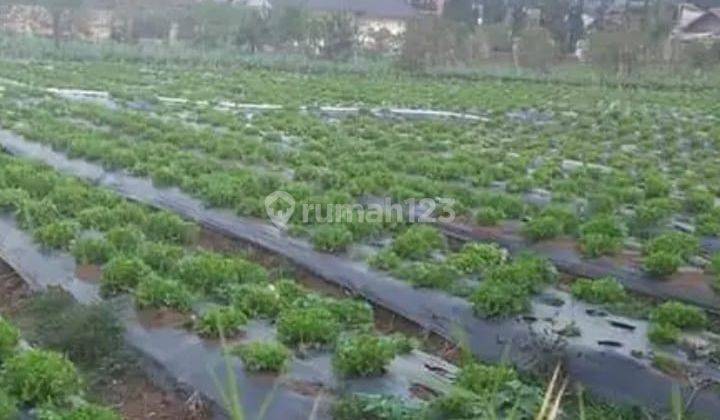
<point x="396" y="9"/>
<point x="691" y="15"/>
<point x="695" y="24"/>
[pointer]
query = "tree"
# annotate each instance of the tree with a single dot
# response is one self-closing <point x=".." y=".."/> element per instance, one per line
<point x="125" y="12"/>
<point x="429" y="41"/>
<point x="290" y="25"/>
<point x="493" y="11"/>
<point x="518" y="16"/>
<point x="600" y="12"/>
<point x="553" y="15"/>
<point x="335" y="35"/>
<point x="535" y="51"/>
<point x="57" y="10"/>
<point x="575" y="25"/>
<point x="253" y="29"/>
<point x="463" y="11"/>
<point x="616" y="52"/>
<point x="657" y="22"/>
<point x="216" y="22"/>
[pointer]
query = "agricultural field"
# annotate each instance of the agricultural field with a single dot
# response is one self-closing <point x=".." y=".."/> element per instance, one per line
<point x="565" y="228"/>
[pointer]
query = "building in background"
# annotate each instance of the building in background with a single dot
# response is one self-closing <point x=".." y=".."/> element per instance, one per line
<point x="377" y="21"/>
<point x="695" y="36"/>
<point x="696" y="24"/>
<point x="434" y="7"/>
<point x="370" y="15"/>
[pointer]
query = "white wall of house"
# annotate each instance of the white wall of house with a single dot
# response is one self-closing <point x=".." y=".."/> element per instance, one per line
<point x="368" y="26"/>
<point x="394" y="26"/>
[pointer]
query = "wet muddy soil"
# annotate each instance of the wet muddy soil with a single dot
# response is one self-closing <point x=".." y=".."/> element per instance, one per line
<point x="165" y="318"/>
<point x="89" y="273"/>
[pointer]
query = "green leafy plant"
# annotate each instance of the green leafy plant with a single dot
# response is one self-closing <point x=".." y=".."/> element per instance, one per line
<point x="563" y="215"/>
<point x="209" y="272"/>
<point x="8" y="407"/>
<point x="256" y="300"/>
<point x="667" y="252"/>
<point x="509" y="205"/>
<point x="154" y="291"/>
<point x="708" y="223"/>
<point x="476" y="258"/>
<point x="715" y="264"/>
<point x="678" y="243"/>
<point x="125" y="240"/>
<point x="604" y="290"/>
<point x="528" y="272"/>
<point x="699" y="201"/>
<point x="513" y="400"/>
<point x="100" y="218"/>
<point x="663" y="333"/>
<point x="375" y="407"/>
<point x="601" y="235"/>
<point x="307" y="326"/>
<point x="31" y="178"/>
<point x="507" y="288"/>
<point x="84" y="412"/>
<point x="89" y="335"/>
<point x="70" y="197"/>
<point x="430" y="275"/>
<point x="656" y="186"/>
<point x="331" y="237"/>
<point x="57" y="235"/>
<point x="91" y="251"/>
<point x="601" y="203"/>
<point x="363" y="355"/>
<point x="38" y="377"/>
<point x="161" y="257"/>
<point x="163" y="226"/>
<point x="9" y="339"/>
<point x="128" y="213"/>
<point x="418" y="242"/>
<point x="485" y="379"/>
<point x="122" y="274"/>
<point x="12" y="199"/>
<point x="403" y="344"/>
<point x="679" y="315"/>
<point x="497" y="299"/>
<point x="262" y="356"/>
<point x="652" y="213"/>
<point x="221" y="319"/>
<point x="290" y="292"/>
<point x="662" y="263"/>
<point x="385" y="260"/>
<point x="544" y="227"/>
<point x="352" y="314"/>
<point x="488" y="216"/>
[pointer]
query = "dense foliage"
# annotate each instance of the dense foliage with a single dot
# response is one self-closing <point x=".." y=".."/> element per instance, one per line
<point x="363" y="355"/>
<point x="38" y="377"/>
<point x="671" y="318"/>
<point x="507" y="288"/>
<point x="605" y="290"/>
<point x="263" y="356"/>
